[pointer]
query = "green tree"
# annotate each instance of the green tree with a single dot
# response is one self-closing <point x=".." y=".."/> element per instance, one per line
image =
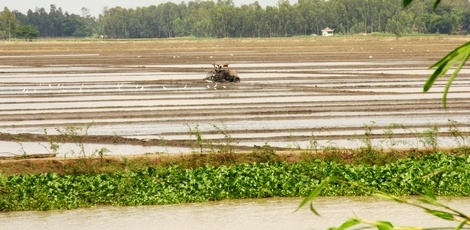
<point x="22" y="18"/>
<point x="56" y="18"/>
<point x="465" y="22"/>
<point x="70" y="24"/>
<point x="8" y="22"/>
<point x="26" y="32"/>
<point x="222" y="18"/>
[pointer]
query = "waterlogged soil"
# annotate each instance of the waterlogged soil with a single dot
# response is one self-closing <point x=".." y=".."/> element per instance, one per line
<point x="307" y="92"/>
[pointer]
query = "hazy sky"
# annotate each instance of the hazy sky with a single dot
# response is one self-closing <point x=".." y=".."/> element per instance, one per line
<point x="96" y="6"/>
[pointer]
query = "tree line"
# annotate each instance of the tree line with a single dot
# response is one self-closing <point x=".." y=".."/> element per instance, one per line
<point x="223" y="19"/>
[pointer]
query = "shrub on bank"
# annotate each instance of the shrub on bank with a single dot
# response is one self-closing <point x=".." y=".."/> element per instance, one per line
<point x="444" y="174"/>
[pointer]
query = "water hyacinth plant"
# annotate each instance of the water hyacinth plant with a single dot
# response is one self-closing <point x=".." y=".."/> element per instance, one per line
<point x="175" y="184"/>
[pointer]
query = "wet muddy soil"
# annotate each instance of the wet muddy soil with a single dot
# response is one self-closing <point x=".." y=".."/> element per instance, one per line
<point x="293" y="92"/>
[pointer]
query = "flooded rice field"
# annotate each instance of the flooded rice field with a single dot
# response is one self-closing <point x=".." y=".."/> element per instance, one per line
<point x="161" y="107"/>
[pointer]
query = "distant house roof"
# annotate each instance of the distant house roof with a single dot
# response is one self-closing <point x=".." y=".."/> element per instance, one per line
<point x="327" y="29"/>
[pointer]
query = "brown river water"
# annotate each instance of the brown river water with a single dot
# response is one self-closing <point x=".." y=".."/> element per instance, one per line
<point x="272" y="213"/>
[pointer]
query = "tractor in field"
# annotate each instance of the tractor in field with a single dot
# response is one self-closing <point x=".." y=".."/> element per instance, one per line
<point x="222" y="73"/>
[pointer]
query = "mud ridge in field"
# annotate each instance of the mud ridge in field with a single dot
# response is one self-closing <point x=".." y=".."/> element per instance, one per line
<point x="151" y="93"/>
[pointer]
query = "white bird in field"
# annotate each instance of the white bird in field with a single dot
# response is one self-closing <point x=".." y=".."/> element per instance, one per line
<point x="208" y="86"/>
<point x="142" y="88"/>
<point x="185" y="86"/>
<point x="224" y="86"/>
<point x="164" y="87"/>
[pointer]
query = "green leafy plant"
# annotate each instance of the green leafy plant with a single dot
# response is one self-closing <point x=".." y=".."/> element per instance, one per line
<point x="101" y="152"/>
<point x="77" y="135"/>
<point x="458" y="135"/>
<point x="200" y="141"/>
<point x="429" y="138"/>
<point x="389" y="132"/>
<point x="20" y="142"/>
<point x="264" y="153"/>
<point x="333" y="153"/>
<point x="174" y="183"/>
<point x="54" y="143"/>
<point x="295" y="145"/>
<point x="312" y="150"/>
<point x="367" y="140"/>
<point x="227" y="146"/>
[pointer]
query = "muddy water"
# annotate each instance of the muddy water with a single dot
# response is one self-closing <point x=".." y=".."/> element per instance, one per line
<point x="275" y="103"/>
<point x="273" y="213"/>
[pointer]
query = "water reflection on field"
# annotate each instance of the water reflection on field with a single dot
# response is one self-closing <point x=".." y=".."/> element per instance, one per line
<point x="272" y="213"/>
<point x="275" y="103"/>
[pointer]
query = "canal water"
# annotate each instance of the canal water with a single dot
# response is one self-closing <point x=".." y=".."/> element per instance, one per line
<point x="271" y="213"/>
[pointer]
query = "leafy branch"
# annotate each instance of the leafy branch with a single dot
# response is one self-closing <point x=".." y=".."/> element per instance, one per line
<point x="427" y="202"/>
<point x="460" y="54"/>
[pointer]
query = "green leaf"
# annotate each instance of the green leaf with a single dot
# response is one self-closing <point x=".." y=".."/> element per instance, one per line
<point x="406" y="3"/>
<point x="441" y="214"/>
<point x="460" y="54"/>
<point x="313" y="209"/>
<point x="347" y="224"/>
<point x="389" y="197"/>
<point x="426" y="200"/>
<point x="316" y="192"/>
<point x="429" y="194"/>
<point x="436" y="3"/>
<point x="384" y="225"/>
<point x="451" y="79"/>
<point x="460" y="226"/>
